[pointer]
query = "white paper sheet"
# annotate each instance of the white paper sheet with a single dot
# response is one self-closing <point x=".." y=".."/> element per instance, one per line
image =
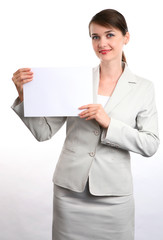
<point x="58" y="91"/>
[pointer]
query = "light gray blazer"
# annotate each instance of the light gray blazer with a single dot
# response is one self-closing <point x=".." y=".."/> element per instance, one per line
<point x="103" y="154"/>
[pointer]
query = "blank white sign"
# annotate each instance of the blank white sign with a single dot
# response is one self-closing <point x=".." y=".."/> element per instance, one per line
<point x="58" y="91"/>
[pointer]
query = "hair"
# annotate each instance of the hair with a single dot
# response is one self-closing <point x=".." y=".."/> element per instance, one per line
<point x="108" y="18"/>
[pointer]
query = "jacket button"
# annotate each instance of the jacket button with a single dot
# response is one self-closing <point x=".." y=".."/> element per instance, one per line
<point x="92" y="154"/>
<point x="96" y="132"/>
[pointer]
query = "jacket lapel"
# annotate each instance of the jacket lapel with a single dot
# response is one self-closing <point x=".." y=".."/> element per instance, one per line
<point x="96" y="78"/>
<point x="124" y="85"/>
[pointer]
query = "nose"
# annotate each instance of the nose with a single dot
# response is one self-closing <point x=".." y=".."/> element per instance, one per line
<point x="102" y="42"/>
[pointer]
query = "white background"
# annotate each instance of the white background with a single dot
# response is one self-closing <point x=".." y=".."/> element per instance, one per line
<point x="37" y="33"/>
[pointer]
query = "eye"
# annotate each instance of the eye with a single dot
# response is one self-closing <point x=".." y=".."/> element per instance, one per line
<point x="95" y="37"/>
<point x="110" y="35"/>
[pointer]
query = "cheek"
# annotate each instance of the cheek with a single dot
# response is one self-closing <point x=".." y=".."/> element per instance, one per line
<point x="95" y="46"/>
<point x="118" y="45"/>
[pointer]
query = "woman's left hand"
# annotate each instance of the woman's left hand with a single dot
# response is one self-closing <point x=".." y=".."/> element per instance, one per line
<point x="97" y="112"/>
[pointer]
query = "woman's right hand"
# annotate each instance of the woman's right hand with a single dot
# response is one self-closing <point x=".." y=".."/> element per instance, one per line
<point x="20" y="77"/>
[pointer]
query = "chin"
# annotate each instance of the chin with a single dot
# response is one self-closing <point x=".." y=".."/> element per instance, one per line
<point x="106" y="59"/>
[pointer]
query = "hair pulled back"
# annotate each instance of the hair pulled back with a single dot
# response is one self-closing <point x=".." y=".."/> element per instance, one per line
<point x="111" y="18"/>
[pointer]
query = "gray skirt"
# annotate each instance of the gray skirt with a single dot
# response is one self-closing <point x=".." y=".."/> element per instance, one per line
<point x="83" y="216"/>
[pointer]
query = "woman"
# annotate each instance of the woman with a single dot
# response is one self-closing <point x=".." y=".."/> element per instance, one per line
<point x="93" y="197"/>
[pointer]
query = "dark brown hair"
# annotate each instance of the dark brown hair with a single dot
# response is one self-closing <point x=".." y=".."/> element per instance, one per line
<point x="111" y="17"/>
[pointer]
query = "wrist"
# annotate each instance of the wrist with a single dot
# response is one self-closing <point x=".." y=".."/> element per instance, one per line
<point x="21" y="98"/>
<point x="106" y="125"/>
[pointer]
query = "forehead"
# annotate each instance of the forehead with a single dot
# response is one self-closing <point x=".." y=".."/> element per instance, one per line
<point x="98" y="29"/>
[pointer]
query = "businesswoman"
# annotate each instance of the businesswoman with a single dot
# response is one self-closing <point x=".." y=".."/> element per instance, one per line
<point x="93" y="195"/>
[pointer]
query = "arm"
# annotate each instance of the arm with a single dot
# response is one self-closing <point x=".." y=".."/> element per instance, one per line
<point x="42" y="128"/>
<point x="144" y="138"/>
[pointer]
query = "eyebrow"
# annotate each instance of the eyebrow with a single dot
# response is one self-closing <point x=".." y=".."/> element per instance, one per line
<point x="105" y="32"/>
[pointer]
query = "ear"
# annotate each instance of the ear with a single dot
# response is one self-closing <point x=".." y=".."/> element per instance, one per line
<point x="126" y="38"/>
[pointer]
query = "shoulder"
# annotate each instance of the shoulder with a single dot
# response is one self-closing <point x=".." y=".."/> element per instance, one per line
<point x="141" y="81"/>
<point x="144" y="88"/>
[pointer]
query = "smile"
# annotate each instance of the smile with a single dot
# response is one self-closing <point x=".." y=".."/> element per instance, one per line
<point x="104" y="51"/>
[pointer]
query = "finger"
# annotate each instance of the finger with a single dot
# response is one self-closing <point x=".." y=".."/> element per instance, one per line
<point x="91" y="117"/>
<point x="26" y="81"/>
<point x="92" y="113"/>
<point x="20" y="84"/>
<point x="23" y="70"/>
<point x="87" y="111"/>
<point x="23" y="77"/>
<point x="22" y="74"/>
<point x="86" y="106"/>
<point x="83" y="107"/>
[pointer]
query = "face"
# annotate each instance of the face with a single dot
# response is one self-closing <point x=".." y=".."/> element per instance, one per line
<point x="108" y="42"/>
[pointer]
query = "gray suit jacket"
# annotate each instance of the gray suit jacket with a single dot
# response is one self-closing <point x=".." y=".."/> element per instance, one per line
<point x="103" y="154"/>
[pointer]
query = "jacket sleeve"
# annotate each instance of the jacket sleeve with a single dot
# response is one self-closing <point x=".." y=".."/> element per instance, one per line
<point x="143" y="139"/>
<point x="43" y="128"/>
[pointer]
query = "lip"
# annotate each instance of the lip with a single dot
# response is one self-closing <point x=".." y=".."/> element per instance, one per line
<point x="104" y="51"/>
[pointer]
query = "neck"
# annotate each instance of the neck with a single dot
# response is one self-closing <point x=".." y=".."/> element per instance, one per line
<point x="110" y="71"/>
